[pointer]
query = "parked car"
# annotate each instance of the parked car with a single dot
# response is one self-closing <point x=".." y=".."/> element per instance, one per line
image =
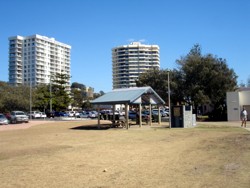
<point x="104" y="112"/>
<point x="34" y="114"/>
<point x="117" y="112"/>
<point x="61" y="114"/>
<point x="82" y="115"/>
<point x="132" y="115"/>
<point x="50" y="114"/>
<point x="163" y="112"/>
<point x="43" y="115"/>
<point x="76" y="113"/>
<point x="166" y="112"/>
<point x="3" y="120"/>
<point x="18" y="117"/>
<point x="7" y="115"/>
<point x="71" y="113"/>
<point x="95" y="112"/>
<point x="86" y="115"/>
<point x="145" y="117"/>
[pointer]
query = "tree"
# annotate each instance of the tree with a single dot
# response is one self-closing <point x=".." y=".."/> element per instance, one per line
<point x="157" y="79"/>
<point x="207" y="78"/>
<point x="61" y="98"/>
<point x="14" y="97"/>
<point x="248" y="82"/>
<point x="41" y="97"/>
<point x="87" y="105"/>
<point x="101" y="92"/>
<point x="177" y="87"/>
<point x="3" y="93"/>
<point x="198" y="80"/>
<point x="242" y="84"/>
<point x="77" y="97"/>
<point x="77" y="85"/>
<point x="96" y="95"/>
<point x="78" y="93"/>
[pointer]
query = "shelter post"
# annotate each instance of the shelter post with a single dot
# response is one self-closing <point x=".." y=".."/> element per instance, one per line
<point x="159" y="115"/>
<point x="113" y="122"/>
<point x="140" y="119"/>
<point x="169" y="104"/>
<point x="150" y="114"/>
<point x="98" y="111"/>
<point x="126" y="115"/>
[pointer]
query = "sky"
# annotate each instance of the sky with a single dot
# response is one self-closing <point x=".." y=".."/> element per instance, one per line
<point x="93" y="27"/>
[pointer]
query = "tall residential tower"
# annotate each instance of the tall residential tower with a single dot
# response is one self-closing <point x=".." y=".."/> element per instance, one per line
<point x="129" y="61"/>
<point x="34" y="59"/>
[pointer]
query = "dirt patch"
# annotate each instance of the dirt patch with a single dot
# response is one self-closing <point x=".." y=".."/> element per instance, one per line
<point x="64" y="154"/>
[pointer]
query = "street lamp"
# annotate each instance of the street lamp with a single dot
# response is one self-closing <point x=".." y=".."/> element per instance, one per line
<point x="30" y="79"/>
<point x="30" y="97"/>
<point x="50" y="95"/>
<point x="169" y="107"/>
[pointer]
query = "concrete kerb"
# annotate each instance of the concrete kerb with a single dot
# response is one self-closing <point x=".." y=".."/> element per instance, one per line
<point x="69" y="119"/>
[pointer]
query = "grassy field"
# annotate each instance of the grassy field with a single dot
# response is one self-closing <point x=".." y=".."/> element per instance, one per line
<point x="76" y="154"/>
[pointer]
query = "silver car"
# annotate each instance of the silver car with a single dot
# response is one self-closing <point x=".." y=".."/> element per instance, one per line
<point x="18" y="117"/>
<point x="3" y="120"/>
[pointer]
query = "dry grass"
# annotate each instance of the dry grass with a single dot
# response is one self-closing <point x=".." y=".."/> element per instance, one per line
<point x="67" y="154"/>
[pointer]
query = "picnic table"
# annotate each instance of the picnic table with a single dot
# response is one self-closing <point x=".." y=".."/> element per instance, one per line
<point x="119" y="121"/>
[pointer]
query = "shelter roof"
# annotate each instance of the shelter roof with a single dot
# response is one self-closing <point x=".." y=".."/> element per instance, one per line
<point x="134" y="95"/>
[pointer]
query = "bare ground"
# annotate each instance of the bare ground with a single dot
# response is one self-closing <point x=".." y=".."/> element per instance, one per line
<point x="77" y="154"/>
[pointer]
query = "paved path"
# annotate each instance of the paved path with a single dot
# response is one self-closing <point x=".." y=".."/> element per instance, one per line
<point x="22" y="125"/>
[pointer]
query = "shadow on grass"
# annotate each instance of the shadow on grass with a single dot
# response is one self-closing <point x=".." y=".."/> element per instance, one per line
<point x="91" y="127"/>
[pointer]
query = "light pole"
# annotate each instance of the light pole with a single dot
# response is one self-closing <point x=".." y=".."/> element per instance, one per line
<point x="30" y="97"/>
<point x="30" y="75"/>
<point x="169" y="106"/>
<point x="50" y="95"/>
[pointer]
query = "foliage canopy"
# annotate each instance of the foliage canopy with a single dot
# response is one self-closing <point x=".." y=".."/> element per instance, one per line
<point x="198" y="80"/>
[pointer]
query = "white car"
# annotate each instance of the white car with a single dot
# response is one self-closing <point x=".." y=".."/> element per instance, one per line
<point x="71" y="113"/>
<point x="34" y="114"/>
<point x="76" y="114"/>
<point x="43" y="115"/>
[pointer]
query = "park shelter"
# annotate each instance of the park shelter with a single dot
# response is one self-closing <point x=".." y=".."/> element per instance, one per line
<point x="130" y="96"/>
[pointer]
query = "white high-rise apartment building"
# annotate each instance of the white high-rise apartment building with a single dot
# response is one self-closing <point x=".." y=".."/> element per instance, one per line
<point x="129" y="61"/>
<point x="35" y="59"/>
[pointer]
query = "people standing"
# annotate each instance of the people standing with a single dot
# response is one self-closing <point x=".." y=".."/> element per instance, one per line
<point x="243" y="117"/>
